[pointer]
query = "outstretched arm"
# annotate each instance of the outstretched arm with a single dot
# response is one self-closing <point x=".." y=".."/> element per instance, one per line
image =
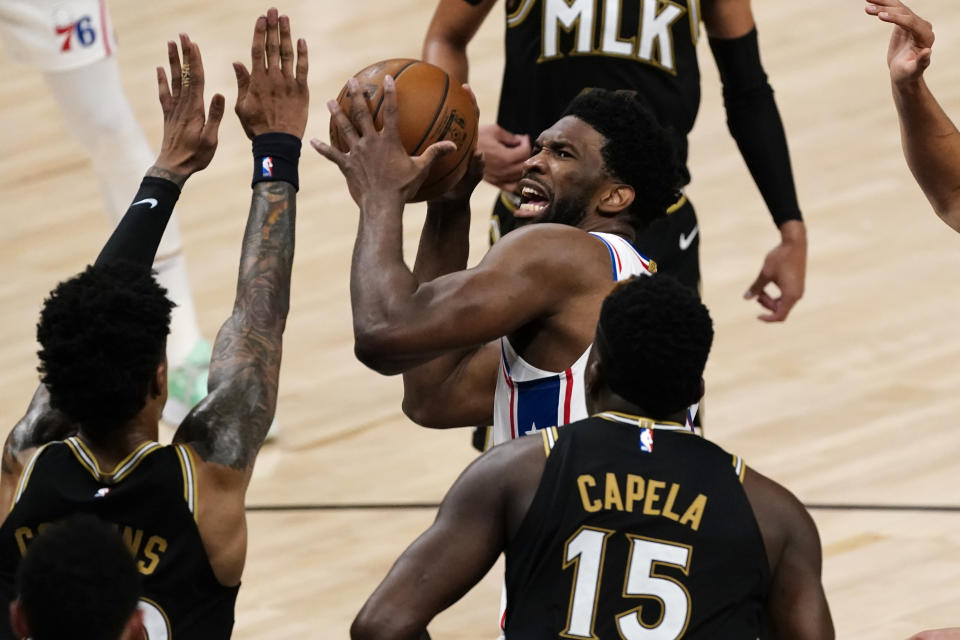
<point x="228" y="427"/>
<point x="476" y="521"/>
<point x="930" y="139"/>
<point x="754" y="122"/>
<point x="189" y="143"/>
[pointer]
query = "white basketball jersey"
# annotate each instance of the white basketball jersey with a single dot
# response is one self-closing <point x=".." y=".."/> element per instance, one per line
<point x="528" y="398"/>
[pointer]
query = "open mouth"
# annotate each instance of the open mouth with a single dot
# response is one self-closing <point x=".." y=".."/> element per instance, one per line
<point x="533" y="199"/>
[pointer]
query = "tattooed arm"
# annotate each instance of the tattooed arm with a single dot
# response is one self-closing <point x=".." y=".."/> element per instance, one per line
<point x="230" y="424"/>
<point x="225" y="431"/>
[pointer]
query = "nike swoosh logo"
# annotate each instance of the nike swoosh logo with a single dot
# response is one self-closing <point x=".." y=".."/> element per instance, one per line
<point x="153" y="203"/>
<point x="687" y="240"/>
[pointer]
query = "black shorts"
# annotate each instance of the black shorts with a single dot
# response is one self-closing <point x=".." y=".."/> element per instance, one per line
<point x="673" y="242"/>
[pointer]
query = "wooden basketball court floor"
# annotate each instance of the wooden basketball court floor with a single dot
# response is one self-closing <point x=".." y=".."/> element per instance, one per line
<point x="853" y="401"/>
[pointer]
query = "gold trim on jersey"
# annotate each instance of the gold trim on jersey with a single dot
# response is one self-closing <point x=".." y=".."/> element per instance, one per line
<point x="677" y="205"/>
<point x="631" y="42"/>
<point x="516" y="18"/>
<point x="640" y="421"/>
<point x="189" y="478"/>
<point x="123" y="468"/>
<point x="739" y="467"/>
<point x="25" y="475"/>
<point x="693" y="9"/>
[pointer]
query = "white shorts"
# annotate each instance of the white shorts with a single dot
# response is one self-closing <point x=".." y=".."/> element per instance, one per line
<point x="56" y="35"/>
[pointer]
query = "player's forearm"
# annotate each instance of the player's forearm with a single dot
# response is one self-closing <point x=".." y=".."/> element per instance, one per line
<point x="755" y="124"/>
<point x="448" y="55"/>
<point x="245" y="367"/>
<point x="444" y="240"/>
<point x="931" y="144"/>
<point x="382" y="290"/>
<point x="137" y="236"/>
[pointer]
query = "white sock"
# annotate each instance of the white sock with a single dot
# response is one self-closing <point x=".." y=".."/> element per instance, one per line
<point x="97" y="114"/>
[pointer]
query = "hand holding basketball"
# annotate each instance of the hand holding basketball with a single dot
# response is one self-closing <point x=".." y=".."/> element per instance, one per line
<point x="189" y="135"/>
<point x="377" y="167"/>
<point x="273" y="97"/>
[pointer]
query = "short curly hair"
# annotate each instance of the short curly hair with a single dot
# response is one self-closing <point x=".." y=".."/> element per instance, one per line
<point x="103" y="333"/>
<point x="638" y="151"/>
<point x="78" y="580"/>
<point x="654" y="336"/>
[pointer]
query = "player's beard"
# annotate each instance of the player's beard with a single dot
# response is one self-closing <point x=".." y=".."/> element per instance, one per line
<point x="568" y="210"/>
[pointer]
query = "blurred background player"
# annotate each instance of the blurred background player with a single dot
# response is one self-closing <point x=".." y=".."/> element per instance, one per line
<point x="623" y="524"/>
<point x="78" y="580"/>
<point x="72" y="42"/>
<point x="556" y="48"/>
<point x="931" y="142"/>
<point x="88" y="441"/>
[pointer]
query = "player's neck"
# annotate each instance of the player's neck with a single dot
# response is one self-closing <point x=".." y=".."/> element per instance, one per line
<point x="615" y="225"/>
<point x="118" y="445"/>
<point x="607" y="400"/>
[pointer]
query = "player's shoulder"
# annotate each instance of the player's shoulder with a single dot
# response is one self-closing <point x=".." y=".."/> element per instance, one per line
<point x="557" y="245"/>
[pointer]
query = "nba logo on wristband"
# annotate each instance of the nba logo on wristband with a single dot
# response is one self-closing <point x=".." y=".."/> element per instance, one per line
<point x="267" y="167"/>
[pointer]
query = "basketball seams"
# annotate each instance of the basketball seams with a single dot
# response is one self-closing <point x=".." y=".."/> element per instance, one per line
<point x="443" y="103"/>
<point x="376" y="112"/>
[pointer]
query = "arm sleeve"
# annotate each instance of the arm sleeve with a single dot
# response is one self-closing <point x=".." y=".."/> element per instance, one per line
<point x="754" y="122"/>
<point x="138" y="234"/>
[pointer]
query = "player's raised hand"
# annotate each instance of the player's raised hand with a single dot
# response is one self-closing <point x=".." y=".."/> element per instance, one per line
<point x="785" y="266"/>
<point x="911" y="42"/>
<point x="272" y="97"/>
<point x="189" y="134"/>
<point x="377" y="167"/>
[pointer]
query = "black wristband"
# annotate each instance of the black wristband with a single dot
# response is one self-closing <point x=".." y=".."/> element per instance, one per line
<point x="276" y="157"/>
<point x="137" y="236"/>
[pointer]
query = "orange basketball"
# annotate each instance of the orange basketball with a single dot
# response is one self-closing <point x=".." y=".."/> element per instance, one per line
<point x="431" y="107"/>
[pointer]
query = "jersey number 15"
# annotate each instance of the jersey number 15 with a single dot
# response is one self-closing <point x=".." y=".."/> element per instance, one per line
<point x="585" y="551"/>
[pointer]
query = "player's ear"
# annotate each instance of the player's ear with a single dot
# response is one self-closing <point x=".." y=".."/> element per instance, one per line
<point x="617" y="199"/>
<point x="18" y="619"/>
<point x="159" y="379"/>
<point x="593" y="374"/>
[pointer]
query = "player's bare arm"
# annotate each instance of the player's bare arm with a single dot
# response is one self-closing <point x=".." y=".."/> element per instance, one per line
<point x="454" y="24"/>
<point x="228" y="427"/>
<point x="190" y="136"/>
<point x="755" y="124"/>
<point x="476" y="521"/>
<point x="457" y="388"/>
<point x="399" y="322"/>
<point x="796" y="606"/>
<point x="931" y="141"/>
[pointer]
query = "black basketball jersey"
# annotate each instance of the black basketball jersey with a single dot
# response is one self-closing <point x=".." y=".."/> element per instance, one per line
<point x="637" y="531"/>
<point x="557" y="48"/>
<point x="150" y="496"/>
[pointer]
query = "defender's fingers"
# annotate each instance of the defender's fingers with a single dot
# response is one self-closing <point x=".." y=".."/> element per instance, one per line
<point x="757" y="287"/>
<point x="212" y="126"/>
<point x="273" y="40"/>
<point x="303" y="63"/>
<point x="347" y="133"/>
<point x="243" y="80"/>
<point x="286" y="47"/>
<point x="174" y="57"/>
<point x="335" y="156"/>
<point x="166" y="100"/>
<point x="359" y="110"/>
<point x="257" y="60"/>
<point x="197" y="75"/>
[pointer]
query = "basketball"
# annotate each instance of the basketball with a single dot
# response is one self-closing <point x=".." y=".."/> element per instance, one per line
<point x="431" y="106"/>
